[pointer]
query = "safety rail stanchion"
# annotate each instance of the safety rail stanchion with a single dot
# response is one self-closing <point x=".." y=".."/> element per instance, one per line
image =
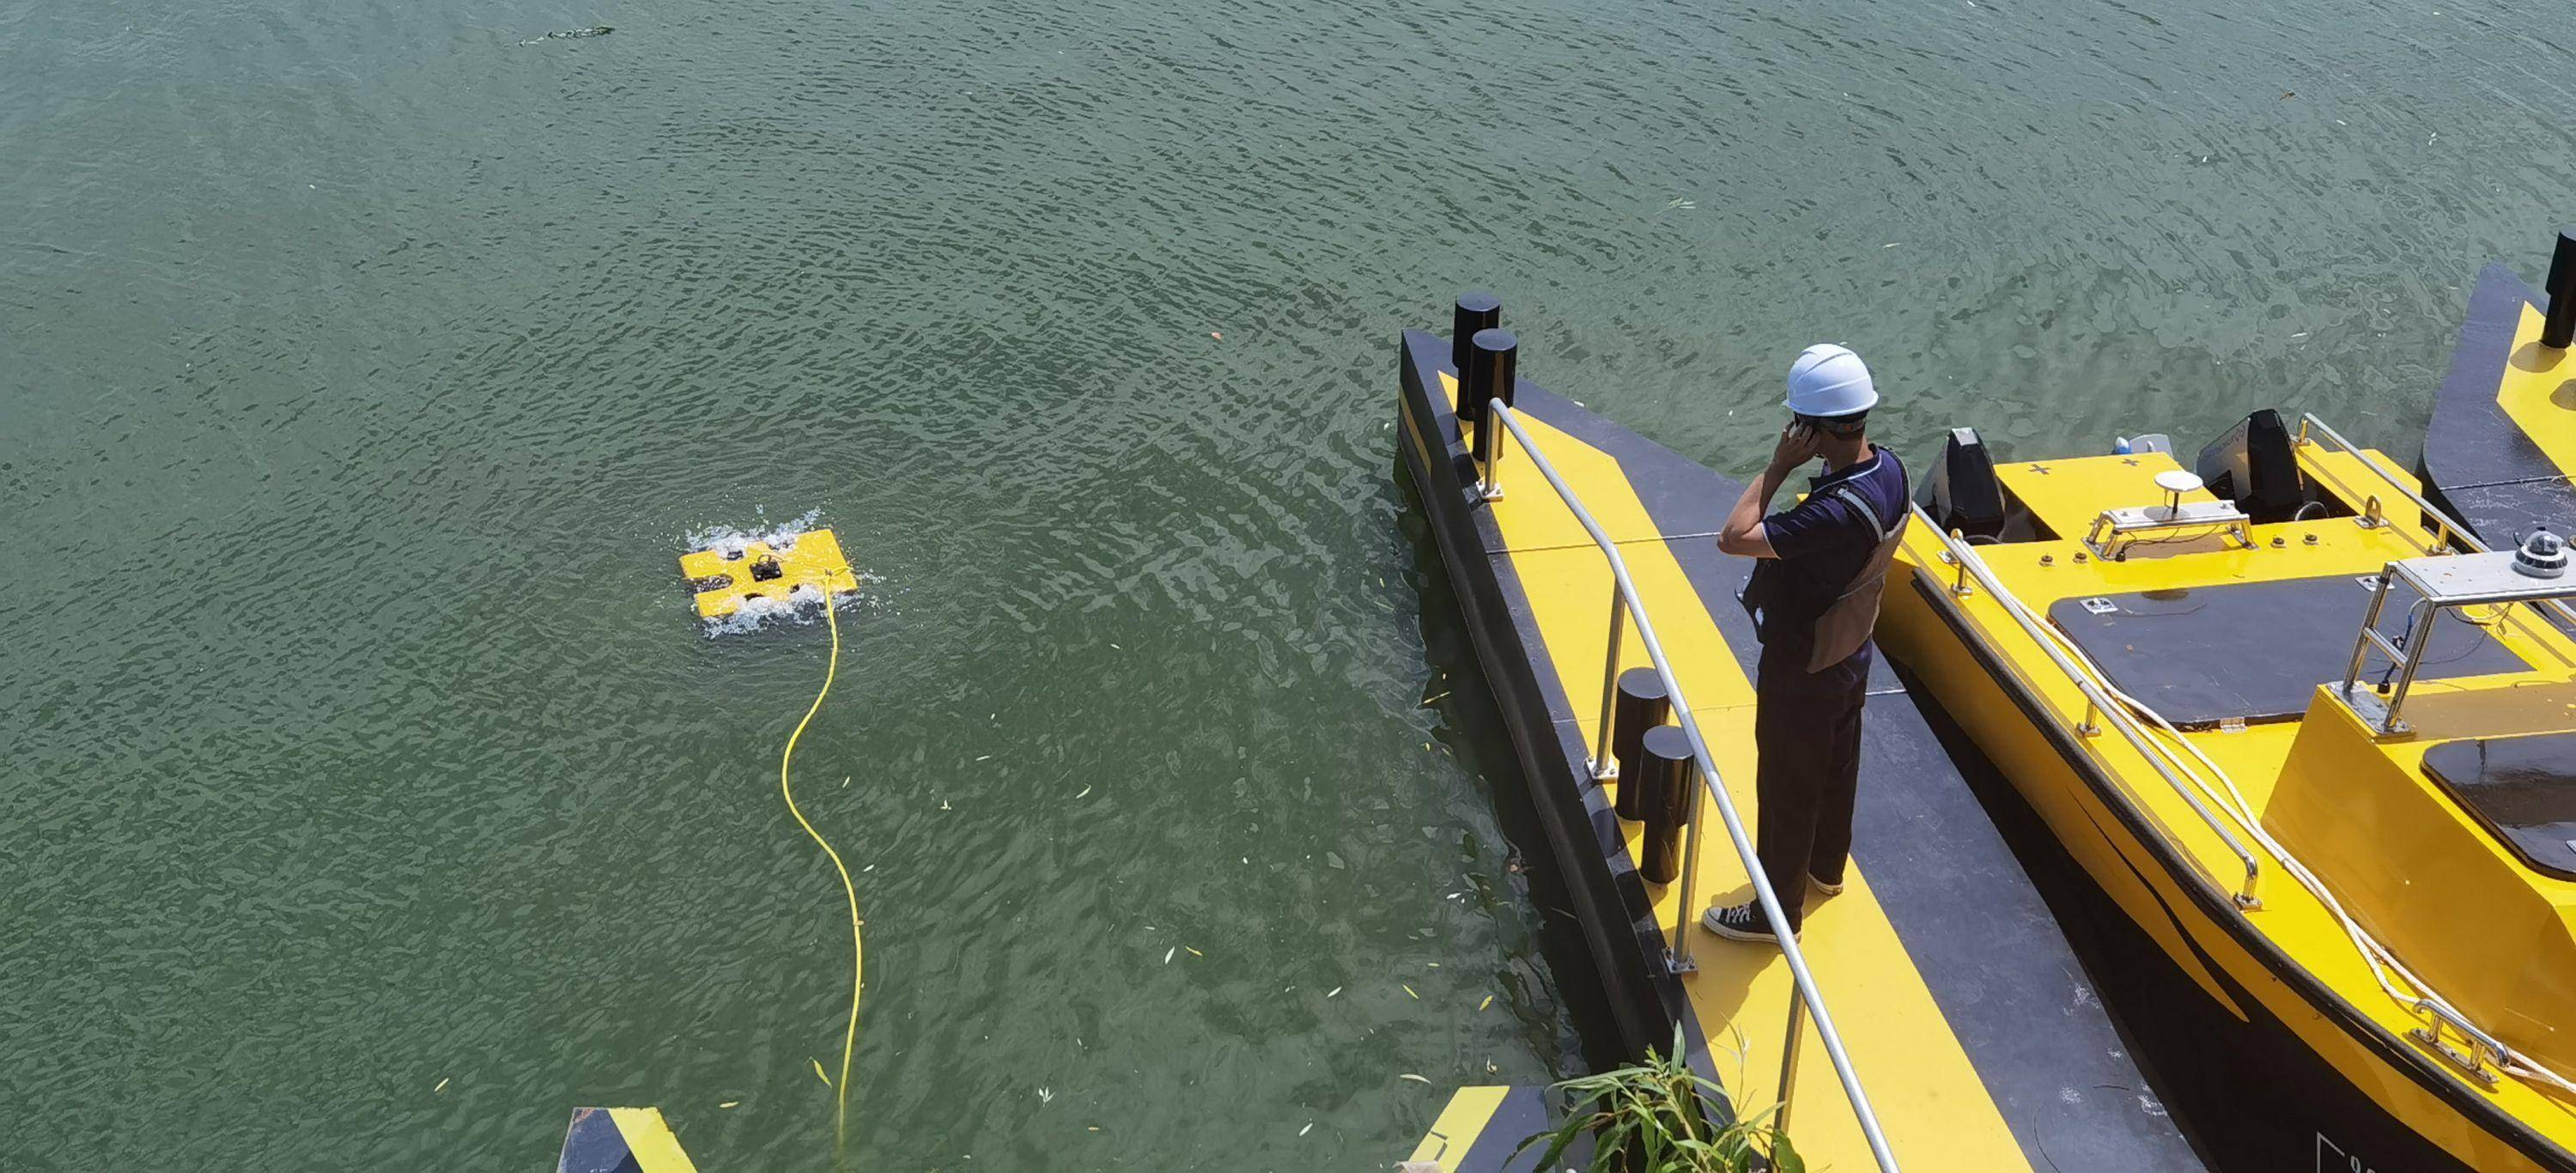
<point x="1789" y="1064"/>
<point x="1603" y="767"/>
<point x="1488" y="458"/>
<point x="1713" y="785"/>
<point x="1677" y="958"/>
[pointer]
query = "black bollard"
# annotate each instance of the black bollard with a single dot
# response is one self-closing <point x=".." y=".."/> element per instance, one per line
<point x="2558" y="327"/>
<point x="1641" y="706"/>
<point x="1477" y="310"/>
<point x="1498" y="369"/>
<point x="1665" y="771"/>
<point x="1474" y="370"/>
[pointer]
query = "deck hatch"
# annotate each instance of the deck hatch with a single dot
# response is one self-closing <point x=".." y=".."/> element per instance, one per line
<point x="2254" y="651"/>
<point x="2522" y="788"/>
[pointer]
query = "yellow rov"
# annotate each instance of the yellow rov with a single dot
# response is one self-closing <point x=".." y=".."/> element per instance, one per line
<point x="729" y="578"/>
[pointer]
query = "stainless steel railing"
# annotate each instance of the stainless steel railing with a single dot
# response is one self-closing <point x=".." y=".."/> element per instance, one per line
<point x="1624" y="602"/>
<point x="2447" y="529"/>
<point x="2098" y="703"/>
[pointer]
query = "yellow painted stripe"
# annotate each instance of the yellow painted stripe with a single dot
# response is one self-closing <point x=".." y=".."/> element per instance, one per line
<point x="1928" y="1095"/>
<point x="650" y="1139"/>
<point x="1455" y="1132"/>
<point x="2538" y="391"/>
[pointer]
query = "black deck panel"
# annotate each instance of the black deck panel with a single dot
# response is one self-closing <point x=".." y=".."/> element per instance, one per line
<point x="2478" y="463"/>
<point x="1991" y="955"/>
<point x="2522" y="788"/>
<point x="2256" y="651"/>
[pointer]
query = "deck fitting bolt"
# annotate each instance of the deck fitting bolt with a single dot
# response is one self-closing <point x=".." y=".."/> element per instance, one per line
<point x="2278" y="541"/>
<point x="2048" y="559"/>
<point x="2309" y="540"/>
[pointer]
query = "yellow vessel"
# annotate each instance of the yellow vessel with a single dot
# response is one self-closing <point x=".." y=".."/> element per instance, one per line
<point x="2320" y="763"/>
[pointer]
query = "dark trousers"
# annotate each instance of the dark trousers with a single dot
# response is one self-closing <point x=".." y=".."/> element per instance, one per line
<point x="1806" y="726"/>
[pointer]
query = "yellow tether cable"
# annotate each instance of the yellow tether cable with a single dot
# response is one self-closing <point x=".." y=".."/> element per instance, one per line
<point x="858" y="981"/>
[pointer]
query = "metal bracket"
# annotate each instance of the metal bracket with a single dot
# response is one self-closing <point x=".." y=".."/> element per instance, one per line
<point x="1959" y="587"/>
<point x="2097" y="605"/>
<point x="2365" y="704"/>
<point x="1676" y="964"/>
<point x="2471" y="1062"/>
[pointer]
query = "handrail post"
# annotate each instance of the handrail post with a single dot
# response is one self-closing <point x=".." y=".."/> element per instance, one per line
<point x="1789" y="1059"/>
<point x="1603" y="767"/>
<point x="1489" y="482"/>
<point x="1677" y="957"/>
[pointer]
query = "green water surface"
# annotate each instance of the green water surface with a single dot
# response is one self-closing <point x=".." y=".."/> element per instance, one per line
<point x="371" y="797"/>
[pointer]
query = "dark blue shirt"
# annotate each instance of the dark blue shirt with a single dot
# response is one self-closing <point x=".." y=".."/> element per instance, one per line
<point x="1824" y="543"/>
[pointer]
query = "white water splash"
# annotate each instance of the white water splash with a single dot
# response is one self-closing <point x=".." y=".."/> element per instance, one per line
<point x="733" y="541"/>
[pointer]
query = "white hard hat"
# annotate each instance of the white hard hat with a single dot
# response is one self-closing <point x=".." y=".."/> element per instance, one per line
<point x="1828" y="380"/>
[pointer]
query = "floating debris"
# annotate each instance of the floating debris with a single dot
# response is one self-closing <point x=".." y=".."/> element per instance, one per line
<point x="1310" y="1127"/>
<point x="1411" y="1076"/>
<point x="1194" y="952"/>
<point x="1433" y="699"/>
<point x="1480" y="1006"/>
<point x="818" y="1071"/>
<point x="442" y="1086"/>
<point x="1167" y="954"/>
<point x="1409" y="991"/>
<point x="1085" y="790"/>
<point x="730" y="1104"/>
<point x="599" y="30"/>
<point x="1337" y="990"/>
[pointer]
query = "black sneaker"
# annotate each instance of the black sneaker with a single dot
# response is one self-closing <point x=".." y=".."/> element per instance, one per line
<point x="1742" y="922"/>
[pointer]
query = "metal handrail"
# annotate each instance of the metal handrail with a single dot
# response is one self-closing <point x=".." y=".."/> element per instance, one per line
<point x="2451" y="530"/>
<point x="1711" y="783"/>
<point x="2098" y="701"/>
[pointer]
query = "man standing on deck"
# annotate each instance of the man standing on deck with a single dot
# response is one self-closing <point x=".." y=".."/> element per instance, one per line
<point x="1814" y="598"/>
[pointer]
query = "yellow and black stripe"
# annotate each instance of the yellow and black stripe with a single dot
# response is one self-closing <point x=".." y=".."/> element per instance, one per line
<point x="1482" y="1130"/>
<point x="621" y="1140"/>
<point x="1966" y="1014"/>
<point x="2500" y="449"/>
